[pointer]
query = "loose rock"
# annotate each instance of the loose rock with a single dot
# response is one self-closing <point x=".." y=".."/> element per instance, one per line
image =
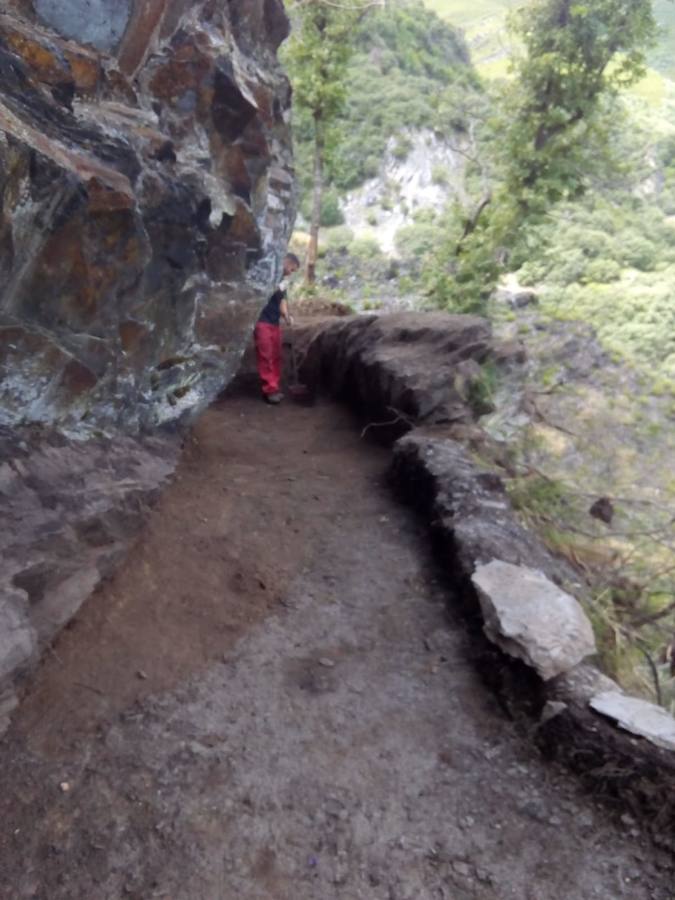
<point x="638" y="716"/>
<point x="532" y="619"/>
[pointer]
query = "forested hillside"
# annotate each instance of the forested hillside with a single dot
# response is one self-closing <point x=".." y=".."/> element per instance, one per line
<point x="410" y="71"/>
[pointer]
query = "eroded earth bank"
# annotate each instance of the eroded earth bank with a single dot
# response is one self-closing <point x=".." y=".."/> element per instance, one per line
<point x="273" y="699"/>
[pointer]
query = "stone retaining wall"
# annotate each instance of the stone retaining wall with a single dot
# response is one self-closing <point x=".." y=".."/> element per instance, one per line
<point x="540" y="656"/>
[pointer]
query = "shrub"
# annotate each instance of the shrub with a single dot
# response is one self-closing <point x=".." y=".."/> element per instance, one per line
<point x="571" y="268"/>
<point x="602" y="271"/>
<point x="365" y="248"/>
<point x="638" y="252"/>
<point x="337" y="239"/>
<point x="402" y="147"/>
<point x="331" y="212"/>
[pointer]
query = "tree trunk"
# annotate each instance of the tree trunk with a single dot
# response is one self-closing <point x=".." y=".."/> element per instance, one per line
<point x="313" y="248"/>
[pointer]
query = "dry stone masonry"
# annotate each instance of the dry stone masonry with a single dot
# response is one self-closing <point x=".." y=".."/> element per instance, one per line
<point x="419" y="368"/>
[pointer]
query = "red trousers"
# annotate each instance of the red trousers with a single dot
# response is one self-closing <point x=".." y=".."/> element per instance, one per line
<point x="268" y="354"/>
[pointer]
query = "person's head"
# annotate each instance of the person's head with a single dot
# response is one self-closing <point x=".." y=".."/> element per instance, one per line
<point x="291" y="264"/>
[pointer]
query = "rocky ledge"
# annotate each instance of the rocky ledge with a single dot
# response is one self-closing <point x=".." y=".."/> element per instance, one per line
<point x="70" y="510"/>
<point x="417" y="370"/>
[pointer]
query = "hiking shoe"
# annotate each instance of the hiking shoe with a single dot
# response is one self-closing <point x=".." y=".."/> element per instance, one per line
<point x="274" y="399"/>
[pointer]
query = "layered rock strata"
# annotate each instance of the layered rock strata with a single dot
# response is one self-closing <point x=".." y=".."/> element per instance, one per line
<point x="146" y="199"/>
<point x="69" y="512"/>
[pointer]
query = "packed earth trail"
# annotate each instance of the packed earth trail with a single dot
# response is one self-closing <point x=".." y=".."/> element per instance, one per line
<point x="273" y="698"/>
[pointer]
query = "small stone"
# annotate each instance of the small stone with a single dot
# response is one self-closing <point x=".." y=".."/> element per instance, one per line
<point x="484" y="876"/>
<point x="462" y="868"/>
<point x="326" y="663"/>
<point x="552" y="708"/>
<point x="64" y="787"/>
<point x="141" y="674"/>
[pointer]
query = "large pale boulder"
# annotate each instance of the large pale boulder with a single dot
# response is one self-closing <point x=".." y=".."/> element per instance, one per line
<point x="532" y="619"/>
<point x="145" y="202"/>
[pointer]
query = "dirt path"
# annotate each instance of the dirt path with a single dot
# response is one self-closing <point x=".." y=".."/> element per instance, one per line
<point x="269" y="701"/>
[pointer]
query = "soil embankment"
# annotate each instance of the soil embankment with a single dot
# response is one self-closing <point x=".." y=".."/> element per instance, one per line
<point x="270" y="701"/>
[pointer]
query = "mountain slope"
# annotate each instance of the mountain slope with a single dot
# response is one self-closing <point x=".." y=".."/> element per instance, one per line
<point x="484" y="25"/>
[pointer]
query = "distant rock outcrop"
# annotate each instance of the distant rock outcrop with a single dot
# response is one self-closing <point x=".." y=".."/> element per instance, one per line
<point x="146" y="199"/>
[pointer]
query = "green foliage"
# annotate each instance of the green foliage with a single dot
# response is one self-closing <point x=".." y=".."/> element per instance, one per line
<point x="602" y="271"/>
<point x="337" y="239"/>
<point x="661" y="56"/>
<point x="482" y="390"/>
<point x="539" y="498"/>
<point x="402" y="147"/>
<point x="595" y="240"/>
<point x="409" y="69"/>
<point x="321" y="45"/>
<point x="553" y="127"/>
<point x="331" y="213"/>
<point x="440" y="175"/>
<point x="317" y="55"/>
<point x="634" y="318"/>
<point x="417" y="241"/>
<point x="365" y="249"/>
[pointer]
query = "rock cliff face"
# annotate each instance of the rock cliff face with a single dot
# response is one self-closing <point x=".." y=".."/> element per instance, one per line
<point x="146" y="197"/>
<point x="145" y="201"/>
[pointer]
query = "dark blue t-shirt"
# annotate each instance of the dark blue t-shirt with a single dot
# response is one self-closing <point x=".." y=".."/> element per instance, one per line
<point x="271" y="313"/>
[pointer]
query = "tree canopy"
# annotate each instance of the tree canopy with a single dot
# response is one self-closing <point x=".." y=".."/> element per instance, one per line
<point x="574" y="58"/>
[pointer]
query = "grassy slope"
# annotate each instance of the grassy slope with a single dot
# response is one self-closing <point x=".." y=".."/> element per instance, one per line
<point x="484" y="20"/>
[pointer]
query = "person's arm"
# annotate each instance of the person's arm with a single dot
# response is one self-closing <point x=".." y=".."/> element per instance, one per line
<point x="285" y="312"/>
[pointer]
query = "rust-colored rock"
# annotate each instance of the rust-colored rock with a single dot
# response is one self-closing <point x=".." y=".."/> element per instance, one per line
<point x="138" y="218"/>
<point x="141" y="230"/>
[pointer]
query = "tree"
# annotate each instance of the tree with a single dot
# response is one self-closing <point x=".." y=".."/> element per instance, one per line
<point x="575" y="56"/>
<point x="319" y="51"/>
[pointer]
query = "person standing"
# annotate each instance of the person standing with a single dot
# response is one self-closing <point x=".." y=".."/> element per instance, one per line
<point x="267" y="335"/>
